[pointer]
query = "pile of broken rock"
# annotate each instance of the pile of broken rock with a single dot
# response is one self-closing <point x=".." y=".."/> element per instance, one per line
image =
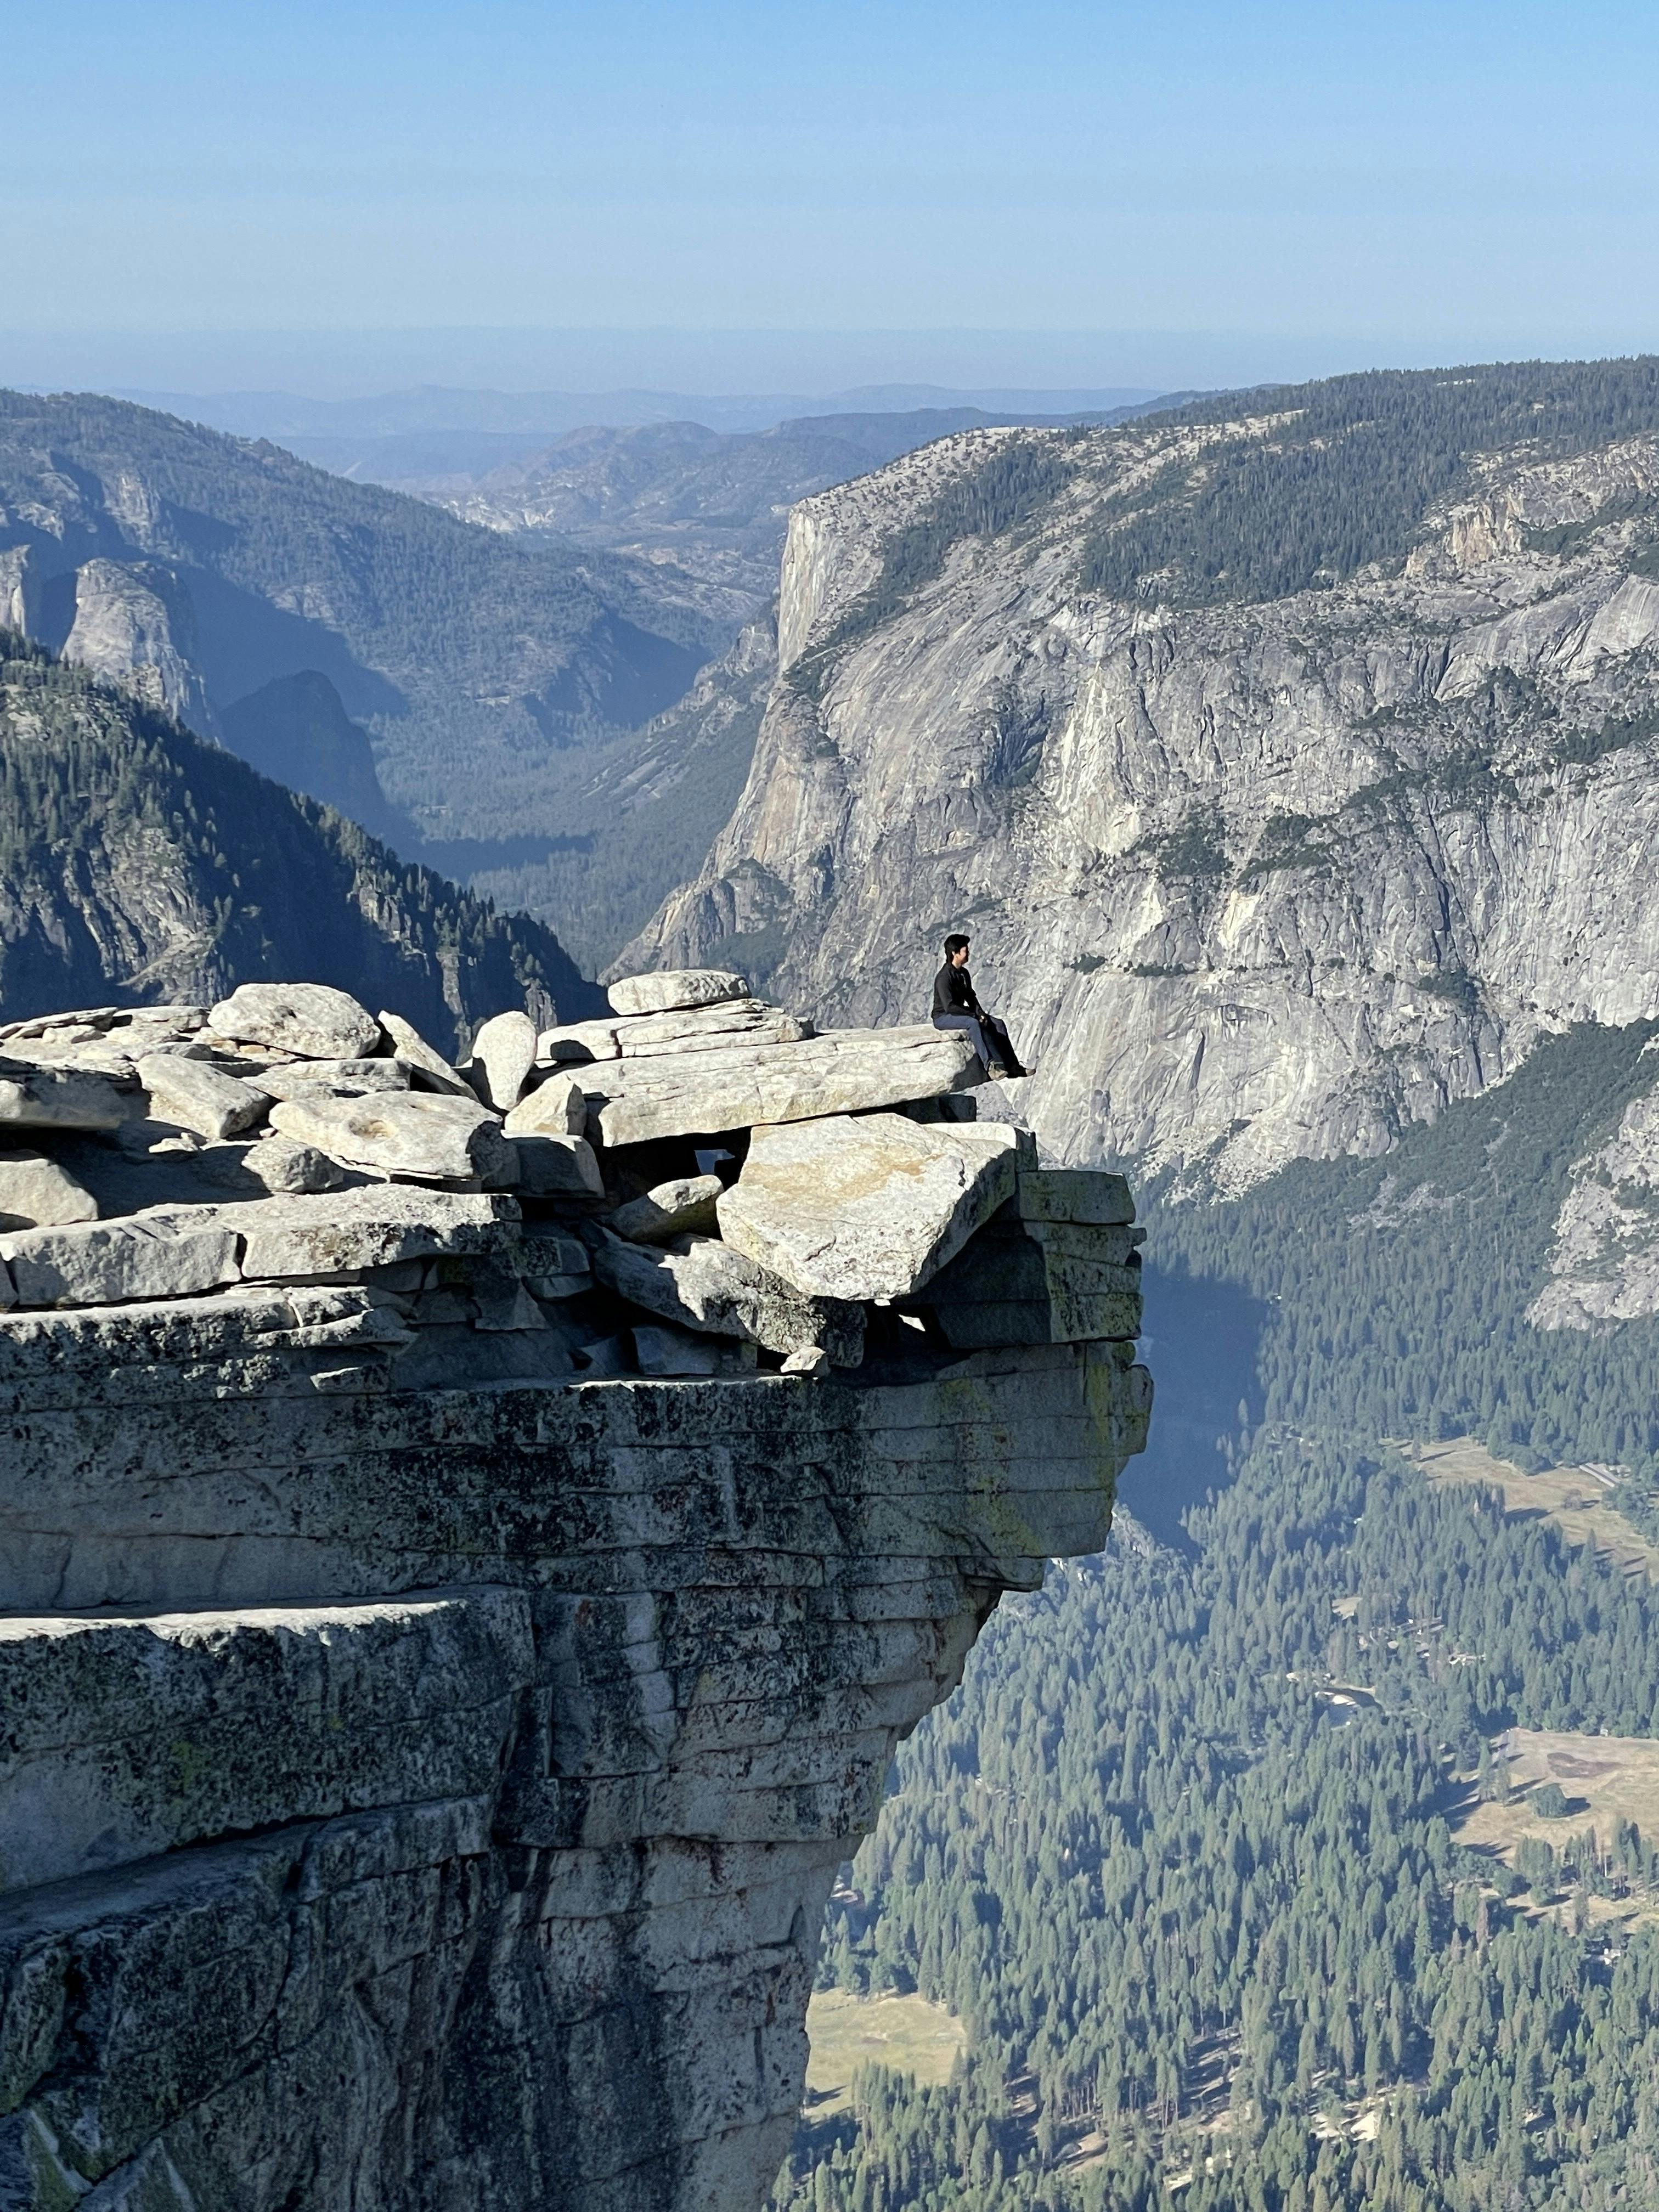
<point x="697" y="1185"/>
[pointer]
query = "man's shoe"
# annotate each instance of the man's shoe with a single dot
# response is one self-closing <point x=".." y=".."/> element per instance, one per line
<point x="996" y="1072"/>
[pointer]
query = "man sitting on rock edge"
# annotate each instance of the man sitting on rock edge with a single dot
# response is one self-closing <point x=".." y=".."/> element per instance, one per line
<point x="956" y="1006"/>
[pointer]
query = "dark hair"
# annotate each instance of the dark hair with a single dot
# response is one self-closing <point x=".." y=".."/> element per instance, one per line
<point x="955" y="945"/>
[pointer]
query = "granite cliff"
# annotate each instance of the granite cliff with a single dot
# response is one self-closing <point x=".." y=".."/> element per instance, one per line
<point x="1290" y="759"/>
<point x="473" y="1538"/>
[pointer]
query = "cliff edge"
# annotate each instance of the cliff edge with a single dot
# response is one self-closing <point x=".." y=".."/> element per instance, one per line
<point x="472" y="1539"/>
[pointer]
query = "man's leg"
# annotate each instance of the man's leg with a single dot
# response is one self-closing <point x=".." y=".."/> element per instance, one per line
<point x="1002" y="1046"/>
<point x="975" y="1035"/>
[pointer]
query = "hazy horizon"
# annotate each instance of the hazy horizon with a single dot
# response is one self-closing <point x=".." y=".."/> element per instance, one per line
<point x="808" y="369"/>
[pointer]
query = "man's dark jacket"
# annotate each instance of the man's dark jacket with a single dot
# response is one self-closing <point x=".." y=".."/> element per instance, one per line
<point x="953" y="993"/>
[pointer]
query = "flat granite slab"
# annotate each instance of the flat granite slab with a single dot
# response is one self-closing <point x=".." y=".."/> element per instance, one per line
<point x="703" y="1093"/>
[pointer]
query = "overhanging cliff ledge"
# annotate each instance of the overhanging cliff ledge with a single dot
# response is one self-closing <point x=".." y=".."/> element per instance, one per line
<point x="460" y="1608"/>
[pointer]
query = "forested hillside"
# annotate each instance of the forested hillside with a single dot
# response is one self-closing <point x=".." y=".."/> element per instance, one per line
<point x="644" y="814"/>
<point x="139" y="864"/>
<point x="713" y="502"/>
<point x="1187" y="1852"/>
<point x="132" y="539"/>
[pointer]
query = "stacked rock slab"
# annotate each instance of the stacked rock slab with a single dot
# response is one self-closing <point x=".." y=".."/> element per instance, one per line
<point x="450" y="1635"/>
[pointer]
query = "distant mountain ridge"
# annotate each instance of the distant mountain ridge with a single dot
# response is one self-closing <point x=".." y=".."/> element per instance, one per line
<point x="714" y="503"/>
<point x="139" y="864"/>
<point x="545" y="415"/>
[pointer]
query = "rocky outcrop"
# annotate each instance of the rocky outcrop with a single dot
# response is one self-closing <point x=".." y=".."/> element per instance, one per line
<point x="441" y="1676"/>
<point x="1252" y="877"/>
<point x="1603" y="1266"/>
<point x="133" y="626"/>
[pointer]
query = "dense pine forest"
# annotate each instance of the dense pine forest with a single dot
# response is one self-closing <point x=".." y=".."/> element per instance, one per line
<point x="1183" y="1853"/>
<point x="1346" y="472"/>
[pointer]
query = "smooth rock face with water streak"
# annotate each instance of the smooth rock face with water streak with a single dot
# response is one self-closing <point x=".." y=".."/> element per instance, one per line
<point x="448" y="1648"/>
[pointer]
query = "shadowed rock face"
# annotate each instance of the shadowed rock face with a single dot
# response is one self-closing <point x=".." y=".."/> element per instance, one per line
<point x="423" y="1773"/>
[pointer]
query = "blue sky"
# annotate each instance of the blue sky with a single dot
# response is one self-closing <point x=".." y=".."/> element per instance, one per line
<point x="1383" y="181"/>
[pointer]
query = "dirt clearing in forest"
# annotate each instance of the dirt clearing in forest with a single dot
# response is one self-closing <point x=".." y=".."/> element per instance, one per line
<point x="1574" y="1497"/>
<point x="910" y="2034"/>
<point x="1604" y="1779"/>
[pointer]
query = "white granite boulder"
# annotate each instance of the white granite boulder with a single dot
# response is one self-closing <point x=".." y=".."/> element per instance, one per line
<point x="36" y="1098"/>
<point x="108" y="1263"/>
<point x="681" y="1207"/>
<point x="429" y="1069"/>
<point x="687" y="1029"/>
<point x="344" y="1079"/>
<point x="705" y="1286"/>
<point x="378" y="1226"/>
<point x="555" y="1108"/>
<point x="418" y="1133"/>
<point x="675" y="987"/>
<point x="36" y="1193"/>
<point x="283" y="1166"/>
<point x="503" y="1053"/>
<point x="866" y="1206"/>
<point x="313" y="1019"/>
<point x="196" y="1095"/>
<point x="575" y="1044"/>
<point x="705" y="1029"/>
<point x="706" y="1092"/>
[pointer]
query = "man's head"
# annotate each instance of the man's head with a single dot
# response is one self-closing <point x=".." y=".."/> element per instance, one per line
<point x="956" y="952"/>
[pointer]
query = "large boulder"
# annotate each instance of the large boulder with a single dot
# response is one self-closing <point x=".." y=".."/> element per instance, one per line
<point x="503" y="1053"/>
<point x="682" y="1207"/>
<point x="313" y="1019"/>
<point x="283" y="1166"/>
<point x="418" y="1133"/>
<point x="703" y="1093"/>
<point x="198" y="1096"/>
<point x="555" y="1108"/>
<point x="35" y="1098"/>
<point x="867" y="1206"/>
<point x="702" y="1285"/>
<point x="36" y="1193"/>
<point x="674" y="988"/>
<point x="430" y="1069"/>
<point x="345" y="1078"/>
<point x="108" y="1263"/>
<point x="688" y="1029"/>
<point x="704" y="1029"/>
<point x="347" y="1231"/>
